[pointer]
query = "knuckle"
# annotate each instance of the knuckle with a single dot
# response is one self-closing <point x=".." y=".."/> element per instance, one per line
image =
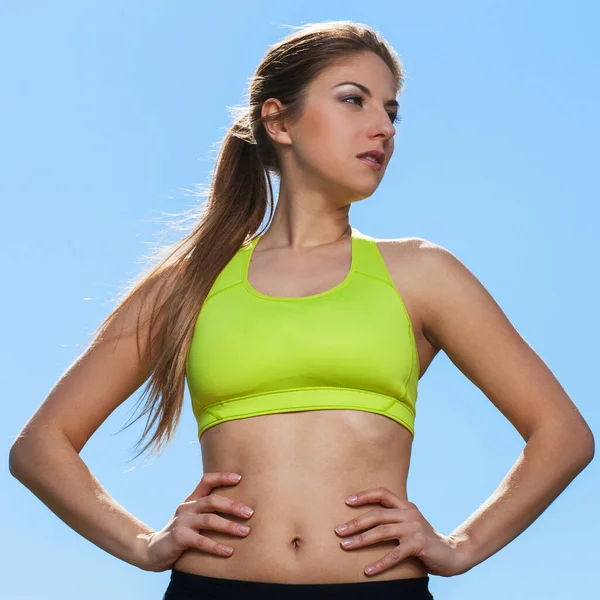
<point x="399" y="515"/>
<point x="204" y="544"/>
<point x="208" y="519"/>
<point x="179" y="535"/>
<point x="419" y="538"/>
<point x="382" y="490"/>
<point x="422" y="527"/>
<point x="415" y="527"/>
<point x="184" y="508"/>
<point x="200" y="521"/>
<point x="384" y="529"/>
<point x="395" y="555"/>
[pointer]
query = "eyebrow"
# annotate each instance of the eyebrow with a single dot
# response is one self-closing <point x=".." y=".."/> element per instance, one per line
<point x="366" y="90"/>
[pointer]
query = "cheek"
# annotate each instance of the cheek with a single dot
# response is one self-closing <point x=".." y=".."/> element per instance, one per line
<point x="318" y="151"/>
<point x="327" y="139"/>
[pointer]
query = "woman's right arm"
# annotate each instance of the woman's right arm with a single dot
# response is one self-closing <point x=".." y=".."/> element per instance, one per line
<point x="47" y="464"/>
<point x="45" y="456"/>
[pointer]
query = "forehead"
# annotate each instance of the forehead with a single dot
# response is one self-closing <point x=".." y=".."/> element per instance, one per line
<point x="366" y="68"/>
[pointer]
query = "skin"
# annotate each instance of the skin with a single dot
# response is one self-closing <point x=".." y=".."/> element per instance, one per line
<point x="298" y="468"/>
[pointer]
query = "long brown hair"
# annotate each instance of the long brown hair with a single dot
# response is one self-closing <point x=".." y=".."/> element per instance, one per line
<point x="236" y="205"/>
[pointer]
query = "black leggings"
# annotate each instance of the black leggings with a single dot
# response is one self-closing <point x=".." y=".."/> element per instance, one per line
<point x="188" y="586"/>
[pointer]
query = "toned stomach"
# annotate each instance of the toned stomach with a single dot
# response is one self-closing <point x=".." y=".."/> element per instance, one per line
<point x="297" y="469"/>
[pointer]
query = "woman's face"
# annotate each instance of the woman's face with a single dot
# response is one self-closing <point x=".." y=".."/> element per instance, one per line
<point x="339" y="122"/>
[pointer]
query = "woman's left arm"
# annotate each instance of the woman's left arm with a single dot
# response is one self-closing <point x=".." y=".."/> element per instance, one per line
<point x="461" y="317"/>
<point x="551" y="459"/>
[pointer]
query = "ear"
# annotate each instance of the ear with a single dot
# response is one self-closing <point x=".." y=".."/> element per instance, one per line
<point x="275" y="128"/>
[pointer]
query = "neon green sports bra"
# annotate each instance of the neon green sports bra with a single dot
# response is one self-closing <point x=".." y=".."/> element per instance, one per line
<point x="350" y="347"/>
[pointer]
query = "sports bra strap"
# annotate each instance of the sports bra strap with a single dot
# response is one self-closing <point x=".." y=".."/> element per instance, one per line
<point x="366" y="256"/>
<point x="369" y="260"/>
<point x="232" y="273"/>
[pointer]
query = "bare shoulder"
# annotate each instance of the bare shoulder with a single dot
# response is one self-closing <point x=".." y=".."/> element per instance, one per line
<point x="405" y="258"/>
<point x="404" y="246"/>
<point x="402" y="257"/>
<point x="428" y="271"/>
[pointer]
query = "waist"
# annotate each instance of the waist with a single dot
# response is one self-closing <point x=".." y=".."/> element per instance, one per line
<point x="270" y="555"/>
<point x="293" y="538"/>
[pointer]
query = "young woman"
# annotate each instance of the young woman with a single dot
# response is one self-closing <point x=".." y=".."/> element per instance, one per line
<point x="302" y="347"/>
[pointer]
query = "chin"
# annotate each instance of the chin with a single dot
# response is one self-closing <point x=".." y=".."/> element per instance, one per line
<point x="360" y="193"/>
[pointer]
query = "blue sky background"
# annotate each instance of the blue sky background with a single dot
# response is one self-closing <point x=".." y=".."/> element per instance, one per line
<point x="110" y="114"/>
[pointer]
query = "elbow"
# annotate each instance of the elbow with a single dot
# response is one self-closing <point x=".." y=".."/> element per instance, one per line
<point x="590" y="446"/>
<point x="14" y="460"/>
<point x="33" y="447"/>
<point x="577" y="442"/>
<point x="584" y="445"/>
<point x="18" y="451"/>
<point x="19" y="456"/>
<point x="23" y="453"/>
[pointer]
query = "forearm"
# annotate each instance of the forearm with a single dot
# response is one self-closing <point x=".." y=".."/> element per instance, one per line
<point x="543" y="470"/>
<point x="50" y="467"/>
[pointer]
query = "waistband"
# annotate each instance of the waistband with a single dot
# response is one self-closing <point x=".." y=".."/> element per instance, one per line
<point x="415" y="588"/>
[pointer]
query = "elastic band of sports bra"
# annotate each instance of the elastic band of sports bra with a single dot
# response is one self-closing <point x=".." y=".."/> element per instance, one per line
<point x="313" y="398"/>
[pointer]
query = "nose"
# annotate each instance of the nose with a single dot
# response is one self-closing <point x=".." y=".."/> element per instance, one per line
<point x="383" y="125"/>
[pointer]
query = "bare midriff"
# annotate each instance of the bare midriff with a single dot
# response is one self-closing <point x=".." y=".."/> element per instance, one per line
<point x="297" y="470"/>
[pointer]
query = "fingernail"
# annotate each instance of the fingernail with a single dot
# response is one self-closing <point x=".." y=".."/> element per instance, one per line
<point x="247" y="511"/>
<point x="370" y="569"/>
<point x="234" y="477"/>
<point x="352" y="499"/>
<point x="341" y="528"/>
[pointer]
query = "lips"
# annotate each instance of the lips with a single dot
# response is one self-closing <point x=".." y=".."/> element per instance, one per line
<point x="378" y="155"/>
<point x="372" y="163"/>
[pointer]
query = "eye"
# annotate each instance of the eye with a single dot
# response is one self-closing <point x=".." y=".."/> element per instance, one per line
<point x="395" y="117"/>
